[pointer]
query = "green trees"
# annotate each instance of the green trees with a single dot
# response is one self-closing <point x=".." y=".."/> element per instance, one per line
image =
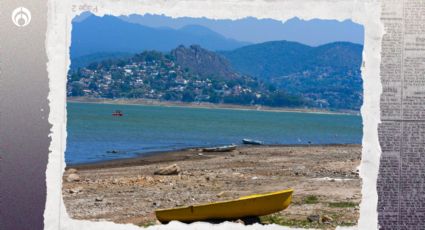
<point x="188" y="96"/>
<point x="154" y="75"/>
<point x="77" y="89"/>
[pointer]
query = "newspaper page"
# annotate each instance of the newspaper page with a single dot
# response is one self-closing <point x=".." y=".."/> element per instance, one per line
<point x="401" y="203"/>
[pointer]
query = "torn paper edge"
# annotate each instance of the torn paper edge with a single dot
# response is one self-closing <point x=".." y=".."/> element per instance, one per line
<point x="58" y="40"/>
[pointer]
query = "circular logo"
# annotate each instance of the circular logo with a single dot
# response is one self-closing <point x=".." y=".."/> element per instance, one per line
<point x="21" y="16"/>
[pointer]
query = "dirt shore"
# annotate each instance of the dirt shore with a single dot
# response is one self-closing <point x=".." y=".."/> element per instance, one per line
<point x="327" y="189"/>
<point x="142" y="101"/>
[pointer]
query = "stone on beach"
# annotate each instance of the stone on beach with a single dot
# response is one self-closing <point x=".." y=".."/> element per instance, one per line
<point x="169" y="170"/>
<point x="131" y="193"/>
<point x="73" y="177"/>
<point x="314" y="218"/>
<point x="239" y="221"/>
<point x="72" y="171"/>
<point x="326" y="219"/>
<point x="75" y="190"/>
<point x="223" y="194"/>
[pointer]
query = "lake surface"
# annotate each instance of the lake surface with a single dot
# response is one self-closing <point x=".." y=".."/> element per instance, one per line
<point x="93" y="131"/>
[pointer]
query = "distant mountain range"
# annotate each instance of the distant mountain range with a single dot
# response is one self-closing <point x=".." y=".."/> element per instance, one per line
<point x="312" y="32"/>
<point x="279" y="58"/>
<point x="85" y="60"/>
<point x="110" y="34"/>
<point x="189" y="74"/>
<point x="328" y="75"/>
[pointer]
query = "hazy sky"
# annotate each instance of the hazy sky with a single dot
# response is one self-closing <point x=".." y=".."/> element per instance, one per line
<point x="313" y="32"/>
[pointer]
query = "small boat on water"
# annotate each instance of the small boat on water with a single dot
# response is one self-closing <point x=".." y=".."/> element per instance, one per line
<point x="117" y="113"/>
<point x="226" y="148"/>
<point x="112" y="151"/>
<point x="251" y="142"/>
<point x="247" y="206"/>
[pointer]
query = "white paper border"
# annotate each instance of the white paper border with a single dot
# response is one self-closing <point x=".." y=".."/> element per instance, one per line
<point x="60" y="14"/>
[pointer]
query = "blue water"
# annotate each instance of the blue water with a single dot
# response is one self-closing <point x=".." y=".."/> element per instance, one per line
<point x="93" y="131"/>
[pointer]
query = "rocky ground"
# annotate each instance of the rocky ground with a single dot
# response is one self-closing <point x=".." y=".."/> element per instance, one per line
<point x="327" y="189"/>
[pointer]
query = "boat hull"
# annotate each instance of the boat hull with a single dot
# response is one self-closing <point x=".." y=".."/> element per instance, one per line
<point x="220" y="149"/>
<point x="248" y="206"/>
<point x="251" y="142"/>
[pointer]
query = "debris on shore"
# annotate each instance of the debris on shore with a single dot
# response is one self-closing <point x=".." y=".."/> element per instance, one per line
<point x="130" y="191"/>
<point x="169" y="170"/>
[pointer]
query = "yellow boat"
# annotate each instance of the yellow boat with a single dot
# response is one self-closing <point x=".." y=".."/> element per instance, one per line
<point x="247" y="206"/>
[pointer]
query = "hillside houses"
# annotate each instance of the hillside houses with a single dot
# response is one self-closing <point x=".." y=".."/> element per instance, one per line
<point x="156" y="76"/>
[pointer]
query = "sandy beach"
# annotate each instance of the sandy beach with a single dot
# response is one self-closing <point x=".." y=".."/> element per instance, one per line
<point x="324" y="179"/>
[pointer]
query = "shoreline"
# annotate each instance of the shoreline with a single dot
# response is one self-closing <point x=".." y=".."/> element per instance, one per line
<point x="181" y="154"/>
<point x="325" y="180"/>
<point x="205" y="105"/>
